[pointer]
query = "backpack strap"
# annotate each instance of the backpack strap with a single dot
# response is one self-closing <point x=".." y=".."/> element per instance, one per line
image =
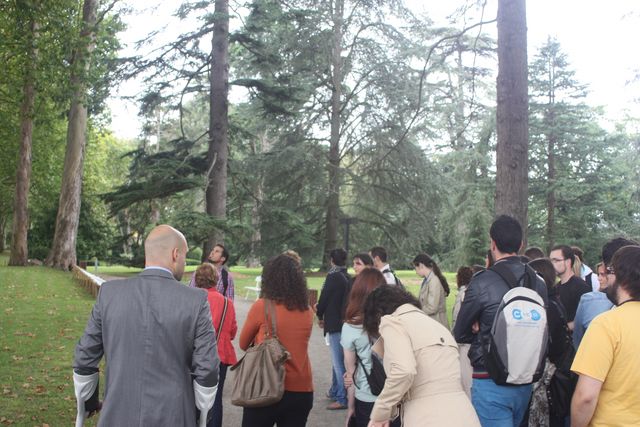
<point x="225" y="281"/>
<point x="270" y="312"/>
<point x="501" y="269"/>
<point x="389" y="270"/>
<point x="224" y="313"/>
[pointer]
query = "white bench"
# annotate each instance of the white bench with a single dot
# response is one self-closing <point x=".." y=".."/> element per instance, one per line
<point x="255" y="288"/>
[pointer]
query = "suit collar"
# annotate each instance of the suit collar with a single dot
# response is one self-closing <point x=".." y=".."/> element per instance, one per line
<point x="159" y="272"/>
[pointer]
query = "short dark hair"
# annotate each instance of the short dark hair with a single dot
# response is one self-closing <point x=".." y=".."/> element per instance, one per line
<point x="626" y="264"/>
<point x="507" y="233"/>
<point x="567" y="252"/>
<point x="381" y="301"/>
<point x="380" y="252"/>
<point x="365" y="258"/>
<point x="612" y="246"/>
<point x="534" y="252"/>
<point x="544" y="267"/>
<point x="225" y="252"/>
<point x="338" y="257"/>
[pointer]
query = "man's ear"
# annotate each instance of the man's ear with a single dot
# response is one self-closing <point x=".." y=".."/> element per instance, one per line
<point x="174" y="254"/>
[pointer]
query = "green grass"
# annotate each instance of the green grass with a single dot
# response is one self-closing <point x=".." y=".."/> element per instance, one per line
<point x="42" y="315"/>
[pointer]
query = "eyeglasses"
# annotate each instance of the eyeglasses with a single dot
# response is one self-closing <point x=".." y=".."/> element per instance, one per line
<point x="556" y="260"/>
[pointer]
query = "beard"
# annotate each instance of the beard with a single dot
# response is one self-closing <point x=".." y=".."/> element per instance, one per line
<point x="612" y="293"/>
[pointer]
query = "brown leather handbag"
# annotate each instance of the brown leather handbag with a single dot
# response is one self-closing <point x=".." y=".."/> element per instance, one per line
<point x="259" y="375"/>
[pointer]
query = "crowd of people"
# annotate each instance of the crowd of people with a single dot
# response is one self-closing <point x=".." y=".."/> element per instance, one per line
<point x="396" y="360"/>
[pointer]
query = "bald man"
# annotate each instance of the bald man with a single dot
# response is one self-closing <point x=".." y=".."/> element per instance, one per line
<point x="158" y="340"/>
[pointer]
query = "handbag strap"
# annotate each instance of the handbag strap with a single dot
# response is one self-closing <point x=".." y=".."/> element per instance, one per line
<point x="224" y="313"/>
<point x="270" y="312"/>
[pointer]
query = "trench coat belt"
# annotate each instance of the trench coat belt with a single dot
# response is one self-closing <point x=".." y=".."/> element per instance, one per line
<point x="429" y="389"/>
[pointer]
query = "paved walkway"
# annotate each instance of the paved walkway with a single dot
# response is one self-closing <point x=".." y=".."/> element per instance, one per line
<point x="320" y="363"/>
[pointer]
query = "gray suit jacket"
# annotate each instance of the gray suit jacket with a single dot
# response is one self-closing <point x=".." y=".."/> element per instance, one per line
<point x="157" y="336"/>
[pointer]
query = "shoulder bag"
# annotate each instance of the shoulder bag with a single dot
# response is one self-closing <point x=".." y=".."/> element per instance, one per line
<point x="259" y="375"/>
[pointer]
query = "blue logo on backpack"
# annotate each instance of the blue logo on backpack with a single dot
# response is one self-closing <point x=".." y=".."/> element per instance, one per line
<point x="517" y="314"/>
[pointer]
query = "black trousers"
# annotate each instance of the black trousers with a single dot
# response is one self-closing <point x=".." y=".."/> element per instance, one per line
<point x="291" y="411"/>
<point x="216" y="420"/>
<point x="363" y="414"/>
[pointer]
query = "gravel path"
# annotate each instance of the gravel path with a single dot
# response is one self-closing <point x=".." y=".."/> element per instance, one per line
<point x="320" y="363"/>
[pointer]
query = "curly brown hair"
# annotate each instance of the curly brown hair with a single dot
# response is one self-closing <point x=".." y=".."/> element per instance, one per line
<point x="283" y="281"/>
<point x="463" y="276"/>
<point x="206" y="276"/>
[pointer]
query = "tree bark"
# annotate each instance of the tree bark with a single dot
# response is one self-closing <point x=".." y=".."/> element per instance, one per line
<point x="551" y="192"/>
<point x="19" y="248"/>
<point x="512" y="113"/>
<point x="3" y="232"/>
<point x="333" y="195"/>
<point x="217" y="154"/>
<point x="63" y="249"/>
<point x="253" y="259"/>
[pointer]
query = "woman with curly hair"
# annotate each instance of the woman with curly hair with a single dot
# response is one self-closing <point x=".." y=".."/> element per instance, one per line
<point x="284" y="284"/>
<point x="420" y="358"/>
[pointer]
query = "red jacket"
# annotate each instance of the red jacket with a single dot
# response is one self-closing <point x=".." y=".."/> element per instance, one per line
<point x="229" y="327"/>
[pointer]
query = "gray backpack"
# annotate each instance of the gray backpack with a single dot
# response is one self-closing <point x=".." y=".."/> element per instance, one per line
<point x="516" y="349"/>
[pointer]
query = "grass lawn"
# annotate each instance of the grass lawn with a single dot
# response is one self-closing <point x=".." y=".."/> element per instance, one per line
<point x="42" y="315"/>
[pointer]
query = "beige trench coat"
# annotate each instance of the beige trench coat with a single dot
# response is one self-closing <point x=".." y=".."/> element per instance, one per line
<point x="423" y="373"/>
<point x="433" y="299"/>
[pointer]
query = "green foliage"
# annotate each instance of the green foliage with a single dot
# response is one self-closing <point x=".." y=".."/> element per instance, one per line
<point x="574" y="160"/>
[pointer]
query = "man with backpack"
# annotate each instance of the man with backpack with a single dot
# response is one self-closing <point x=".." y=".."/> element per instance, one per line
<point x="503" y="317"/>
<point x="379" y="256"/>
<point x="218" y="257"/>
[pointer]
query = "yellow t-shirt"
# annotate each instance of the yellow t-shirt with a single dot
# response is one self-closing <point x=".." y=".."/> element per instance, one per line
<point x="610" y="352"/>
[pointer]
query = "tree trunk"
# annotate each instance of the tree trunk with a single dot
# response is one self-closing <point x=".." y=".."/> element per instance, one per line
<point x="253" y="260"/>
<point x="19" y="249"/>
<point x="3" y="232"/>
<point x="512" y="115"/>
<point x="551" y="191"/>
<point x="333" y="196"/>
<point x="216" y="193"/>
<point x="63" y="249"/>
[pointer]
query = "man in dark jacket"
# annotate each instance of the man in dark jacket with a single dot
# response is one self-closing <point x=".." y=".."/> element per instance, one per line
<point x="496" y="405"/>
<point x="330" y="312"/>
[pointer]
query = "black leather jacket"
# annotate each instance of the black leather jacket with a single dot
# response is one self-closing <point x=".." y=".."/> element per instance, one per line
<point x="481" y="302"/>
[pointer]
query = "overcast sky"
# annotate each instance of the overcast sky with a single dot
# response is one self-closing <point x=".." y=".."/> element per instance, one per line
<point x="599" y="37"/>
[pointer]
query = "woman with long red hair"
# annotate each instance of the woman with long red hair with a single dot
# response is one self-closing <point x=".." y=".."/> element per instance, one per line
<point x="357" y="347"/>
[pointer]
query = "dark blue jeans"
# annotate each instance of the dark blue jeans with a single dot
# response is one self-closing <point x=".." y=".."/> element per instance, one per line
<point x="339" y="393"/>
<point x="216" y="420"/>
<point x="499" y="405"/>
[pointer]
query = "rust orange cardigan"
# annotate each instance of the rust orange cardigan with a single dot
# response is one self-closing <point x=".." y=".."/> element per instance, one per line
<point x="294" y="331"/>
